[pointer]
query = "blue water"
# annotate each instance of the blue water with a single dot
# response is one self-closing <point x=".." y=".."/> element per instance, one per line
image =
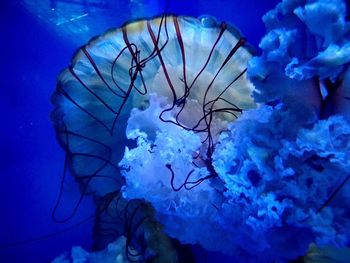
<point x="33" y="51"/>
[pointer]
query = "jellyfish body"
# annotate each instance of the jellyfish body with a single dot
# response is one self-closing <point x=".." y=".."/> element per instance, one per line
<point x="170" y="77"/>
<point x="196" y="65"/>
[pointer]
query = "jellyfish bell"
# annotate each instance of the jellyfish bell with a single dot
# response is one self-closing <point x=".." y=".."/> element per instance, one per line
<point x="196" y="65"/>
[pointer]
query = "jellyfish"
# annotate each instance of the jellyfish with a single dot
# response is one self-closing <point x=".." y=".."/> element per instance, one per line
<point x="197" y="66"/>
<point x="130" y="93"/>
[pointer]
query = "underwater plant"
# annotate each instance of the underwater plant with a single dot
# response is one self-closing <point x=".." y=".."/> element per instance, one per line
<point x="181" y="134"/>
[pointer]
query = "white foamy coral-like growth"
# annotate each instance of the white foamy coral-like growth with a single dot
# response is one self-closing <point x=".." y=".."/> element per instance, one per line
<point x="146" y="168"/>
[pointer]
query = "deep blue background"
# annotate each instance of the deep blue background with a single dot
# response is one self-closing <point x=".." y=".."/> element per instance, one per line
<point x="32" y="53"/>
